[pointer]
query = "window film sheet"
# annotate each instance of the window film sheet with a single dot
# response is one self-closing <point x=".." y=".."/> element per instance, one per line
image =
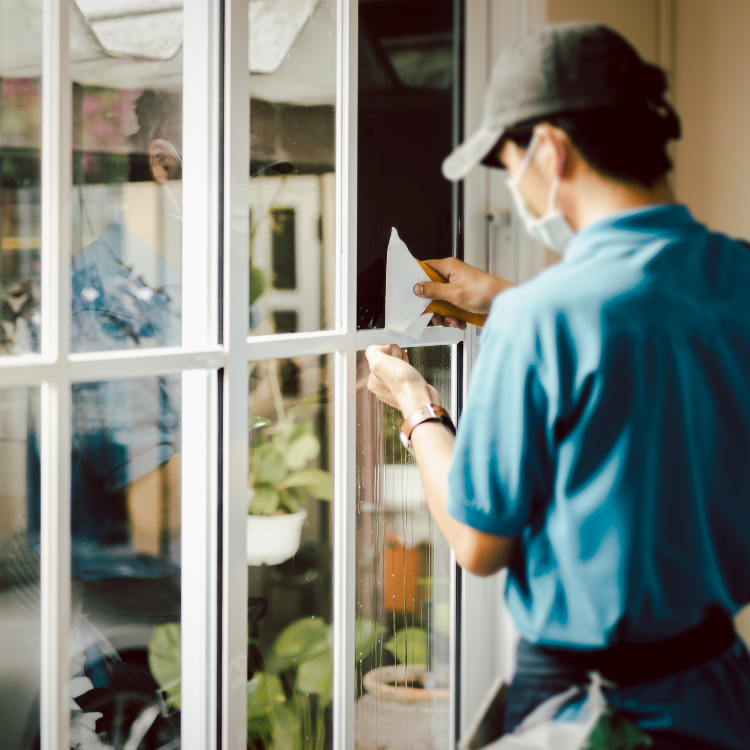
<point x="403" y="581"/>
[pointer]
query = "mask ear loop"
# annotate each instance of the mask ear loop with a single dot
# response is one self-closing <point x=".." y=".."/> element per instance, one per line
<point x="528" y="156"/>
<point x="164" y="185"/>
<point x="555" y="189"/>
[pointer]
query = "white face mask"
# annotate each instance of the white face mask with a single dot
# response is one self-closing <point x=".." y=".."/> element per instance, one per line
<point x="551" y="230"/>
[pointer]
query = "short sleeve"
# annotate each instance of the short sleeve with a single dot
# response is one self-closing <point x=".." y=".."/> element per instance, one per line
<point x="502" y="466"/>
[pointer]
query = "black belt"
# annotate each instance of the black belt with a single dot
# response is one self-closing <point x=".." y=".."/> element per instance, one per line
<point x="631" y="663"/>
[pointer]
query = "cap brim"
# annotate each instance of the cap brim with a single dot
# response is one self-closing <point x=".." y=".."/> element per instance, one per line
<point x="470" y="153"/>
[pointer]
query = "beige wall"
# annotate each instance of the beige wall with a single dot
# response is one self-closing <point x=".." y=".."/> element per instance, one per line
<point x="637" y="20"/>
<point x="704" y="45"/>
<point x="712" y="80"/>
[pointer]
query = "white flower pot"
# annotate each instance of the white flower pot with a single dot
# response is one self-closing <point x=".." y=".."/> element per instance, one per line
<point x="273" y="539"/>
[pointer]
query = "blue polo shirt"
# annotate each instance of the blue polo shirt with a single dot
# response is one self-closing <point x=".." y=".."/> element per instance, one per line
<point x="608" y="428"/>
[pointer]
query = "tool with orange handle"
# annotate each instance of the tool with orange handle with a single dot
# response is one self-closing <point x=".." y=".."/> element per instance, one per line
<point x="446" y="308"/>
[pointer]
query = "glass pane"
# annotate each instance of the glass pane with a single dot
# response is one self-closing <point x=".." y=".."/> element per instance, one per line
<point x="20" y="141"/>
<point x="289" y="554"/>
<point x="403" y="582"/>
<point x="292" y="163"/>
<point x="405" y="120"/>
<point x="127" y="174"/>
<point x="20" y="634"/>
<point x="125" y="630"/>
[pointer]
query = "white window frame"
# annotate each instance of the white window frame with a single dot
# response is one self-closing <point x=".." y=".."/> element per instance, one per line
<point x="214" y="369"/>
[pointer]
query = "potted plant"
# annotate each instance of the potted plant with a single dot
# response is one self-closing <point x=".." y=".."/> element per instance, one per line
<point x="288" y="695"/>
<point x="282" y="478"/>
<point x="405" y="704"/>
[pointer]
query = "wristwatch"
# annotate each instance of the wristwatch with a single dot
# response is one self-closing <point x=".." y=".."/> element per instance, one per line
<point x="429" y="413"/>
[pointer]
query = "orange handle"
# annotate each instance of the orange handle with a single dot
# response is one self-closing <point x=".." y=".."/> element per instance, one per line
<point x="446" y="308"/>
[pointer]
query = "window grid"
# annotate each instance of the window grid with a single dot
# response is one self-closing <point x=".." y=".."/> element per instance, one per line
<point x="203" y="361"/>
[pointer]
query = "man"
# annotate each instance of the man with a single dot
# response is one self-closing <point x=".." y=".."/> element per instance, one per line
<point x="602" y="453"/>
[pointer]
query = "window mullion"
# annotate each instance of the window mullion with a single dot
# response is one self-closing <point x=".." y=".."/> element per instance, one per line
<point x="345" y="385"/>
<point x="236" y="260"/>
<point x="199" y="387"/>
<point x="55" y="391"/>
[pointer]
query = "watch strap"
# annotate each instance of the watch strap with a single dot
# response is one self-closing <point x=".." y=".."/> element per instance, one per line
<point x="426" y="413"/>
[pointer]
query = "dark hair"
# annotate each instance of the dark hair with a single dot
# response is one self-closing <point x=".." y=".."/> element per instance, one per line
<point x="624" y="143"/>
<point x="159" y="115"/>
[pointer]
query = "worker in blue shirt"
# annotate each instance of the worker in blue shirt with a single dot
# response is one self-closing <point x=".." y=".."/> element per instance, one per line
<point x="602" y="452"/>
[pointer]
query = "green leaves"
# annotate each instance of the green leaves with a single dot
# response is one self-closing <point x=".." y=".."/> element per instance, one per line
<point x="280" y="458"/>
<point x="265" y="501"/>
<point x="366" y="634"/>
<point x="409" y="646"/>
<point x="316" y="676"/>
<point x="300" y="640"/>
<point x="614" y="732"/>
<point x="301" y="451"/>
<point x="270" y="467"/>
<point x="264" y="692"/>
<point x="317" y="482"/>
<point x="164" y="659"/>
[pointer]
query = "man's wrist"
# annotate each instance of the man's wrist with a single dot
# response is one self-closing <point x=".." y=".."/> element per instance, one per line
<point x="418" y="401"/>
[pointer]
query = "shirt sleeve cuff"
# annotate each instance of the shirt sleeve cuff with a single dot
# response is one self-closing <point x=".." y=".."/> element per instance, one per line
<point x="477" y="519"/>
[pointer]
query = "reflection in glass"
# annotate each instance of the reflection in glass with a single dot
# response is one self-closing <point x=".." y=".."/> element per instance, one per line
<point x="127" y="177"/>
<point x="20" y="175"/>
<point x="403" y="574"/>
<point x="125" y="564"/>
<point x="290" y="489"/>
<point x="405" y="119"/>
<point x="20" y="634"/>
<point x="292" y="164"/>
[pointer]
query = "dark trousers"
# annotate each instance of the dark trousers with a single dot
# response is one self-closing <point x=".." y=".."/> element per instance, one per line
<point x="687" y="693"/>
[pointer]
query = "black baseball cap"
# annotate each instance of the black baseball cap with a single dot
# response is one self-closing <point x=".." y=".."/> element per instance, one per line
<point x="264" y="158"/>
<point x="561" y="68"/>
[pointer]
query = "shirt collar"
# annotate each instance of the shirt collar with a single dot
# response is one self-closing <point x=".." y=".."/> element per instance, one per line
<point x="651" y="220"/>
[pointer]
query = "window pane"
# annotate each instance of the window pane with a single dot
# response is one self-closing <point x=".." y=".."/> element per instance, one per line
<point x="20" y="171"/>
<point x="127" y="175"/>
<point x="125" y="508"/>
<point x="20" y="636"/>
<point x="403" y="582"/>
<point x="289" y="534"/>
<point x="405" y="121"/>
<point x="292" y="163"/>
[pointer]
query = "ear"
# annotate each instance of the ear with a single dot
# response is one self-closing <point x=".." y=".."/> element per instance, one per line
<point x="163" y="165"/>
<point x="554" y="149"/>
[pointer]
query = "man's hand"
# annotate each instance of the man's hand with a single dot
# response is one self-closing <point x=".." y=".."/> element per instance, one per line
<point x="393" y="380"/>
<point x="467" y="288"/>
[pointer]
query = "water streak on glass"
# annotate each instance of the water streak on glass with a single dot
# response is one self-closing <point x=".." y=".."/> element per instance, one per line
<point x="289" y="555"/>
<point x="403" y="593"/>
<point x="292" y="165"/>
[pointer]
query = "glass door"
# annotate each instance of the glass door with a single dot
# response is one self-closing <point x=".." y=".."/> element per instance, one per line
<point x="209" y="534"/>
